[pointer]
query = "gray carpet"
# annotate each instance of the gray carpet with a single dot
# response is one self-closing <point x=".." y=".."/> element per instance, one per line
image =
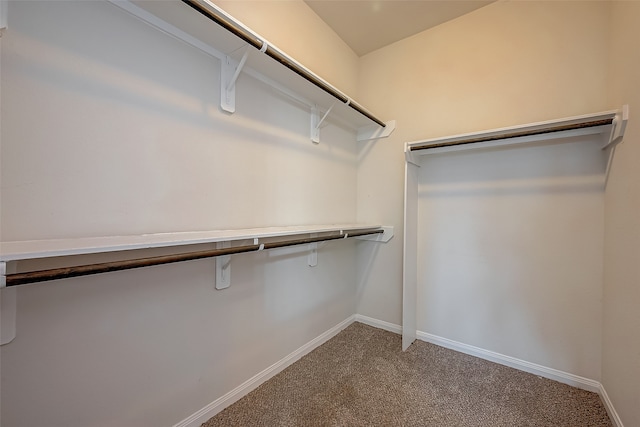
<point x="362" y="378"/>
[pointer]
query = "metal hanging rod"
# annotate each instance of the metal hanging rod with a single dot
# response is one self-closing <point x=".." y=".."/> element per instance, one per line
<point x="243" y="33"/>
<point x="85" y="270"/>
<point x="516" y="134"/>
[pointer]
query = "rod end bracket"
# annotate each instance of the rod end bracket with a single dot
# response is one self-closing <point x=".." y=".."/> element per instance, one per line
<point x="367" y="133"/>
<point x="382" y="237"/>
<point x="223" y="268"/>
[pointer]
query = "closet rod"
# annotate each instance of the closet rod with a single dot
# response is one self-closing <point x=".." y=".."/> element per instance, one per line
<point x="85" y="270"/>
<point x="221" y="19"/>
<point x="573" y="126"/>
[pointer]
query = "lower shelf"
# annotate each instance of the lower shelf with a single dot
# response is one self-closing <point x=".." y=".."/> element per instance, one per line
<point x="229" y="242"/>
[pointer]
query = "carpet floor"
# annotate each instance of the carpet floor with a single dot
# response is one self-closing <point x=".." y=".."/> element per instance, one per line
<point x="362" y="378"/>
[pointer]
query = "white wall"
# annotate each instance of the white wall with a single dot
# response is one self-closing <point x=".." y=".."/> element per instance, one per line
<point x="110" y="127"/>
<point x="511" y="254"/>
<point x="621" y="340"/>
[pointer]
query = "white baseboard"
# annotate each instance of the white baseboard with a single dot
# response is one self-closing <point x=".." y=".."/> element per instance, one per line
<point x="380" y="324"/>
<point x="522" y="365"/>
<point x="252" y="383"/>
<point x="613" y="414"/>
<point x="243" y="389"/>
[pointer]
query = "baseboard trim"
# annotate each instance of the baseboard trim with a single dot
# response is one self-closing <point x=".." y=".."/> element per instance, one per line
<point x="252" y="383"/>
<point x="380" y="324"/>
<point x="613" y="414"/>
<point x="522" y="365"/>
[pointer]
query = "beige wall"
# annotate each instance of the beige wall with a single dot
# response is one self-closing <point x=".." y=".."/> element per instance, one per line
<point x="294" y="28"/>
<point x="110" y="127"/>
<point x="621" y="333"/>
<point x="506" y="64"/>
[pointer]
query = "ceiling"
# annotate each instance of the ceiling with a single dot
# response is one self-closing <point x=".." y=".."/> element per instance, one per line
<point x="367" y="25"/>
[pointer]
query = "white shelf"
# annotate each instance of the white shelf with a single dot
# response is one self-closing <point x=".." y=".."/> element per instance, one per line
<point x="181" y="21"/>
<point x="612" y="128"/>
<point x="32" y="249"/>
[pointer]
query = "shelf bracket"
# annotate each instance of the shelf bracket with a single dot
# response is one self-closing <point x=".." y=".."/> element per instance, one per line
<point x="382" y="238"/>
<point x="410" y="156"/>
<point x="3" y="274"/>
<point x="615" y="137"/>
<point x="315" y="127"/>
<point x="312" y="259"/>
<point x="7" y="308"/>
<point x="367" y="133"/>
<point x="316" y="122"/>
<point x="229" y="72"/>
<point x="223" y="268"/>
<point x="618" y="128"/>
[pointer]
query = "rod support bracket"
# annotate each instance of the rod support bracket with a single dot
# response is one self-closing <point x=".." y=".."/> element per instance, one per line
<point x="229" y="72"/>
<point x="3" y="274"/>
<point x="367" y="133"/>
<point x="223" y="268"/>
<point x="382" y="237"/>
<point x="410" y="156"/>
<point x="315" y="125"/>
<point x="615" y="137"/>
<point x="312" y="259"/>
<point x="7" y="308"/>
<point x="618" y="128"/>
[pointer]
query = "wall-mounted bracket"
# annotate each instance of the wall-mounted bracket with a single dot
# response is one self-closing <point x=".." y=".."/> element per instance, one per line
<point x="312" y="259"/>
<point x="316" y="122"/>
<point x="376" y="132"/>
<point x="229" y="72"/>
<point x="410" y="156"/>
<point x="618" y="127"/>
<point x="3" y="274"/>
<point x="382" y="238"/>
<point x="7" y="308"/>
<point x="315" y="126"/>
<point x="223" y="268"/>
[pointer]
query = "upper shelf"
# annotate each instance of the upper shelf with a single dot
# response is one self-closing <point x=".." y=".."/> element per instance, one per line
<point x="198" y="24"/>
<point x="32" y="249"/>
<point x="610" y="124"/>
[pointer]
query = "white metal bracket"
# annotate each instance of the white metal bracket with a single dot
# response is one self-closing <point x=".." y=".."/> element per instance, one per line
<point x="7" y="309"/>
<point x="312" y="259"/>
<point x="376" y="132"/>
<point x="229" y="72"/>
<point x="3" y="274"/>
<point x="223" y="268"/>
<point x="315" y="127"/>
<point x="618" y="128"/>
<point x="382" y="237"/>
<point x="409" y="156"/>
<point x="615" y="137"/>
<point x="316" y="122"/>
